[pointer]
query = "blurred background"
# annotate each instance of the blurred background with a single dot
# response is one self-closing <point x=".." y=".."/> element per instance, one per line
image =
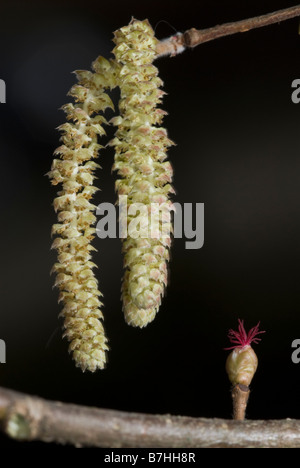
<point x="238" y="152"/>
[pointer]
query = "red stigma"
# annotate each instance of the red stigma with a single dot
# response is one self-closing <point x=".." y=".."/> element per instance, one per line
<point x="240" y="338"/>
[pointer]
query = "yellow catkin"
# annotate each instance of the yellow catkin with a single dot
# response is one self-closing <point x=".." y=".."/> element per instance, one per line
<point x="75" y="278"/>
<point x="145" y="175"/>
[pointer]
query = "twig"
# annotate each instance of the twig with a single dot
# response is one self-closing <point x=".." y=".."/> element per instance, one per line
<point x="24" y="417"/>
<point x="240" y="395"/>
<point x="193" y="37"/>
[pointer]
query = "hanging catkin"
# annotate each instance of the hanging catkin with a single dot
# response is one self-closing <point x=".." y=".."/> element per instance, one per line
<point x="75" y="171"/>
<point x="140" y="159"/>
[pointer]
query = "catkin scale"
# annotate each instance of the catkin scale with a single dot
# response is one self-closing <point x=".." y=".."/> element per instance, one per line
<point x="145" y="175"/>
<point x="75" y="278"/>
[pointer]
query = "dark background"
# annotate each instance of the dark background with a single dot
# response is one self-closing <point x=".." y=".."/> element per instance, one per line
<point x="238" y="147"/>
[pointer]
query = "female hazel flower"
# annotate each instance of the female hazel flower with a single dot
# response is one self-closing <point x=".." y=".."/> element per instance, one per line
<point x="241" y="363"/>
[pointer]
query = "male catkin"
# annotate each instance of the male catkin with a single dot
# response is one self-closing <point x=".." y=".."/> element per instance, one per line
<point x="145" y="175"/>
<point x="75" y="171"/>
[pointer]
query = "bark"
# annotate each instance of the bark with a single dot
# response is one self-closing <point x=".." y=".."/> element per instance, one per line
<point x="25" y="417"/>
<point x="240" y="395"/>
<point x="193" y="37"/>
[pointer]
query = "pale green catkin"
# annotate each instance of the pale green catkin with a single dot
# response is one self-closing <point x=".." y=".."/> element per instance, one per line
<point x="145" y="175"/>
<point x="75" y="171"/>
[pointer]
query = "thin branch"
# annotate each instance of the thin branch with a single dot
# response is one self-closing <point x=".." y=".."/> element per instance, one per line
<point x="24" y="417"/>
<point x="193" y="37"/>
<point x="240" y="395"/>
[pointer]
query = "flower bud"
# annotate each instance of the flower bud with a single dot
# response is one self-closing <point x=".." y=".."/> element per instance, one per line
<point x="242" y="362"/>
<point x="241" y="365"/>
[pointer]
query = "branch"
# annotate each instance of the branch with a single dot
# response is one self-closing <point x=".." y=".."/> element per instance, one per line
<point x="193" y="37"/>
<point x="240" y="395"/>
<point x="24" y="417"/>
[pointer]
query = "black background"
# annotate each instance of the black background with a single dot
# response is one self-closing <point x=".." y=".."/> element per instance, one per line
<point x="237" y="135"/>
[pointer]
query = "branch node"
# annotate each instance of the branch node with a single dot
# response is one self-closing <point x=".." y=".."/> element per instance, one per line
<point x="193" y="37"/>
